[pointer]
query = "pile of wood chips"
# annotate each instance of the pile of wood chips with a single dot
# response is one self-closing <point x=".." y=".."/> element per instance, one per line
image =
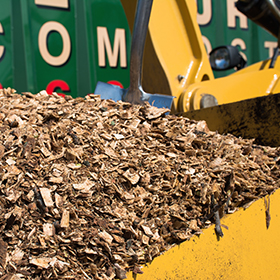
<point x="92" y="189"/>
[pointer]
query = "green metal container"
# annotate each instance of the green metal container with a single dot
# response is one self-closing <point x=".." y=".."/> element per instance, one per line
<point x="63" y="45"/>
<point x="69" y="45"/>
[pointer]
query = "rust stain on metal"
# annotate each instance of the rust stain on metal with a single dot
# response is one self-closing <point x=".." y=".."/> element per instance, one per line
<point x="267" y="211"/>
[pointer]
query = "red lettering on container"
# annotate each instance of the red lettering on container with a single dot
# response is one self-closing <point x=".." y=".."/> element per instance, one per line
<point x="53" y="85"/>
<point x="115" y="83"/>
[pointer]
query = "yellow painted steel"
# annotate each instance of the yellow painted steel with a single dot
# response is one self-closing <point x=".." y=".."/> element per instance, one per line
<point x="262" y="67"/>
<point x="248" y="250"/>
<point x="232" y="88"/>
<point x="254" y="81"/>
<point x="178" y="43"/>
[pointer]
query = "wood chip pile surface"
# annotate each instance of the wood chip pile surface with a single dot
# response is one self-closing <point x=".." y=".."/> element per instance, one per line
<point x="92" y="189"/>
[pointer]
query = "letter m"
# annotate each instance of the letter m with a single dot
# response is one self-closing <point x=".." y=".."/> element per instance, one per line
<point x="104" y="44"/>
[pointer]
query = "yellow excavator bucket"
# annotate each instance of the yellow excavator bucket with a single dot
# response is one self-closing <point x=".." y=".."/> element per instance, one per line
<point x="249" y="249"/>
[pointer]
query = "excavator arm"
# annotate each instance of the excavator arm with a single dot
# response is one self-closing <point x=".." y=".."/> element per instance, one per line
<point x="179" y="46"/>
<point x="178" y="42"/>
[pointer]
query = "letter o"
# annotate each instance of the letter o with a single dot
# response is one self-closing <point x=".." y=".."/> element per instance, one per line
<point x="43" y="46"/>
<point x="2" y="48"/>
<point x="207" y="44"/>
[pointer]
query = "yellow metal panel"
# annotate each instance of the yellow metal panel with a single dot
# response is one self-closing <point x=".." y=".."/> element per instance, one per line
<point x="248" y="249"/>
<point x="178" y="43"/>
<point x="260" y="67"/>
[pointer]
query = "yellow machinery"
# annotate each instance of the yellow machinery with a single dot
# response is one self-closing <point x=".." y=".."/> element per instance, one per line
<point x="178" y="43"/>
<point x="176" y="63"/>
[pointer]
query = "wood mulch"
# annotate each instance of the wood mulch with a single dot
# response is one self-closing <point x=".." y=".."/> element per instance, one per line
<point x="92" y="189"/>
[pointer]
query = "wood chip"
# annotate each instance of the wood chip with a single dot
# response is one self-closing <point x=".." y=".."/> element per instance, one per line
<point x="64" y="223"/>
<point x="106" y="236"/>
<point x="41" y="262"/>
<point x="47" y="197"/>
<point x="45" y="152"/>
<point x="131" y="176"/>
<point x="85" y="186"/>
<point x="10" y="161"/>
<point x="48" y="229"/>
<point x="119" y="136"/>
<point x="147" y="230"/>
<point x="3" y="253"/>
<point x="58" y="200"/>
<point x="17" y="255"/>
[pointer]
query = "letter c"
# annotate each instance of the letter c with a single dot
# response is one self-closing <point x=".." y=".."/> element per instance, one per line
<point x="57" y="84"/>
